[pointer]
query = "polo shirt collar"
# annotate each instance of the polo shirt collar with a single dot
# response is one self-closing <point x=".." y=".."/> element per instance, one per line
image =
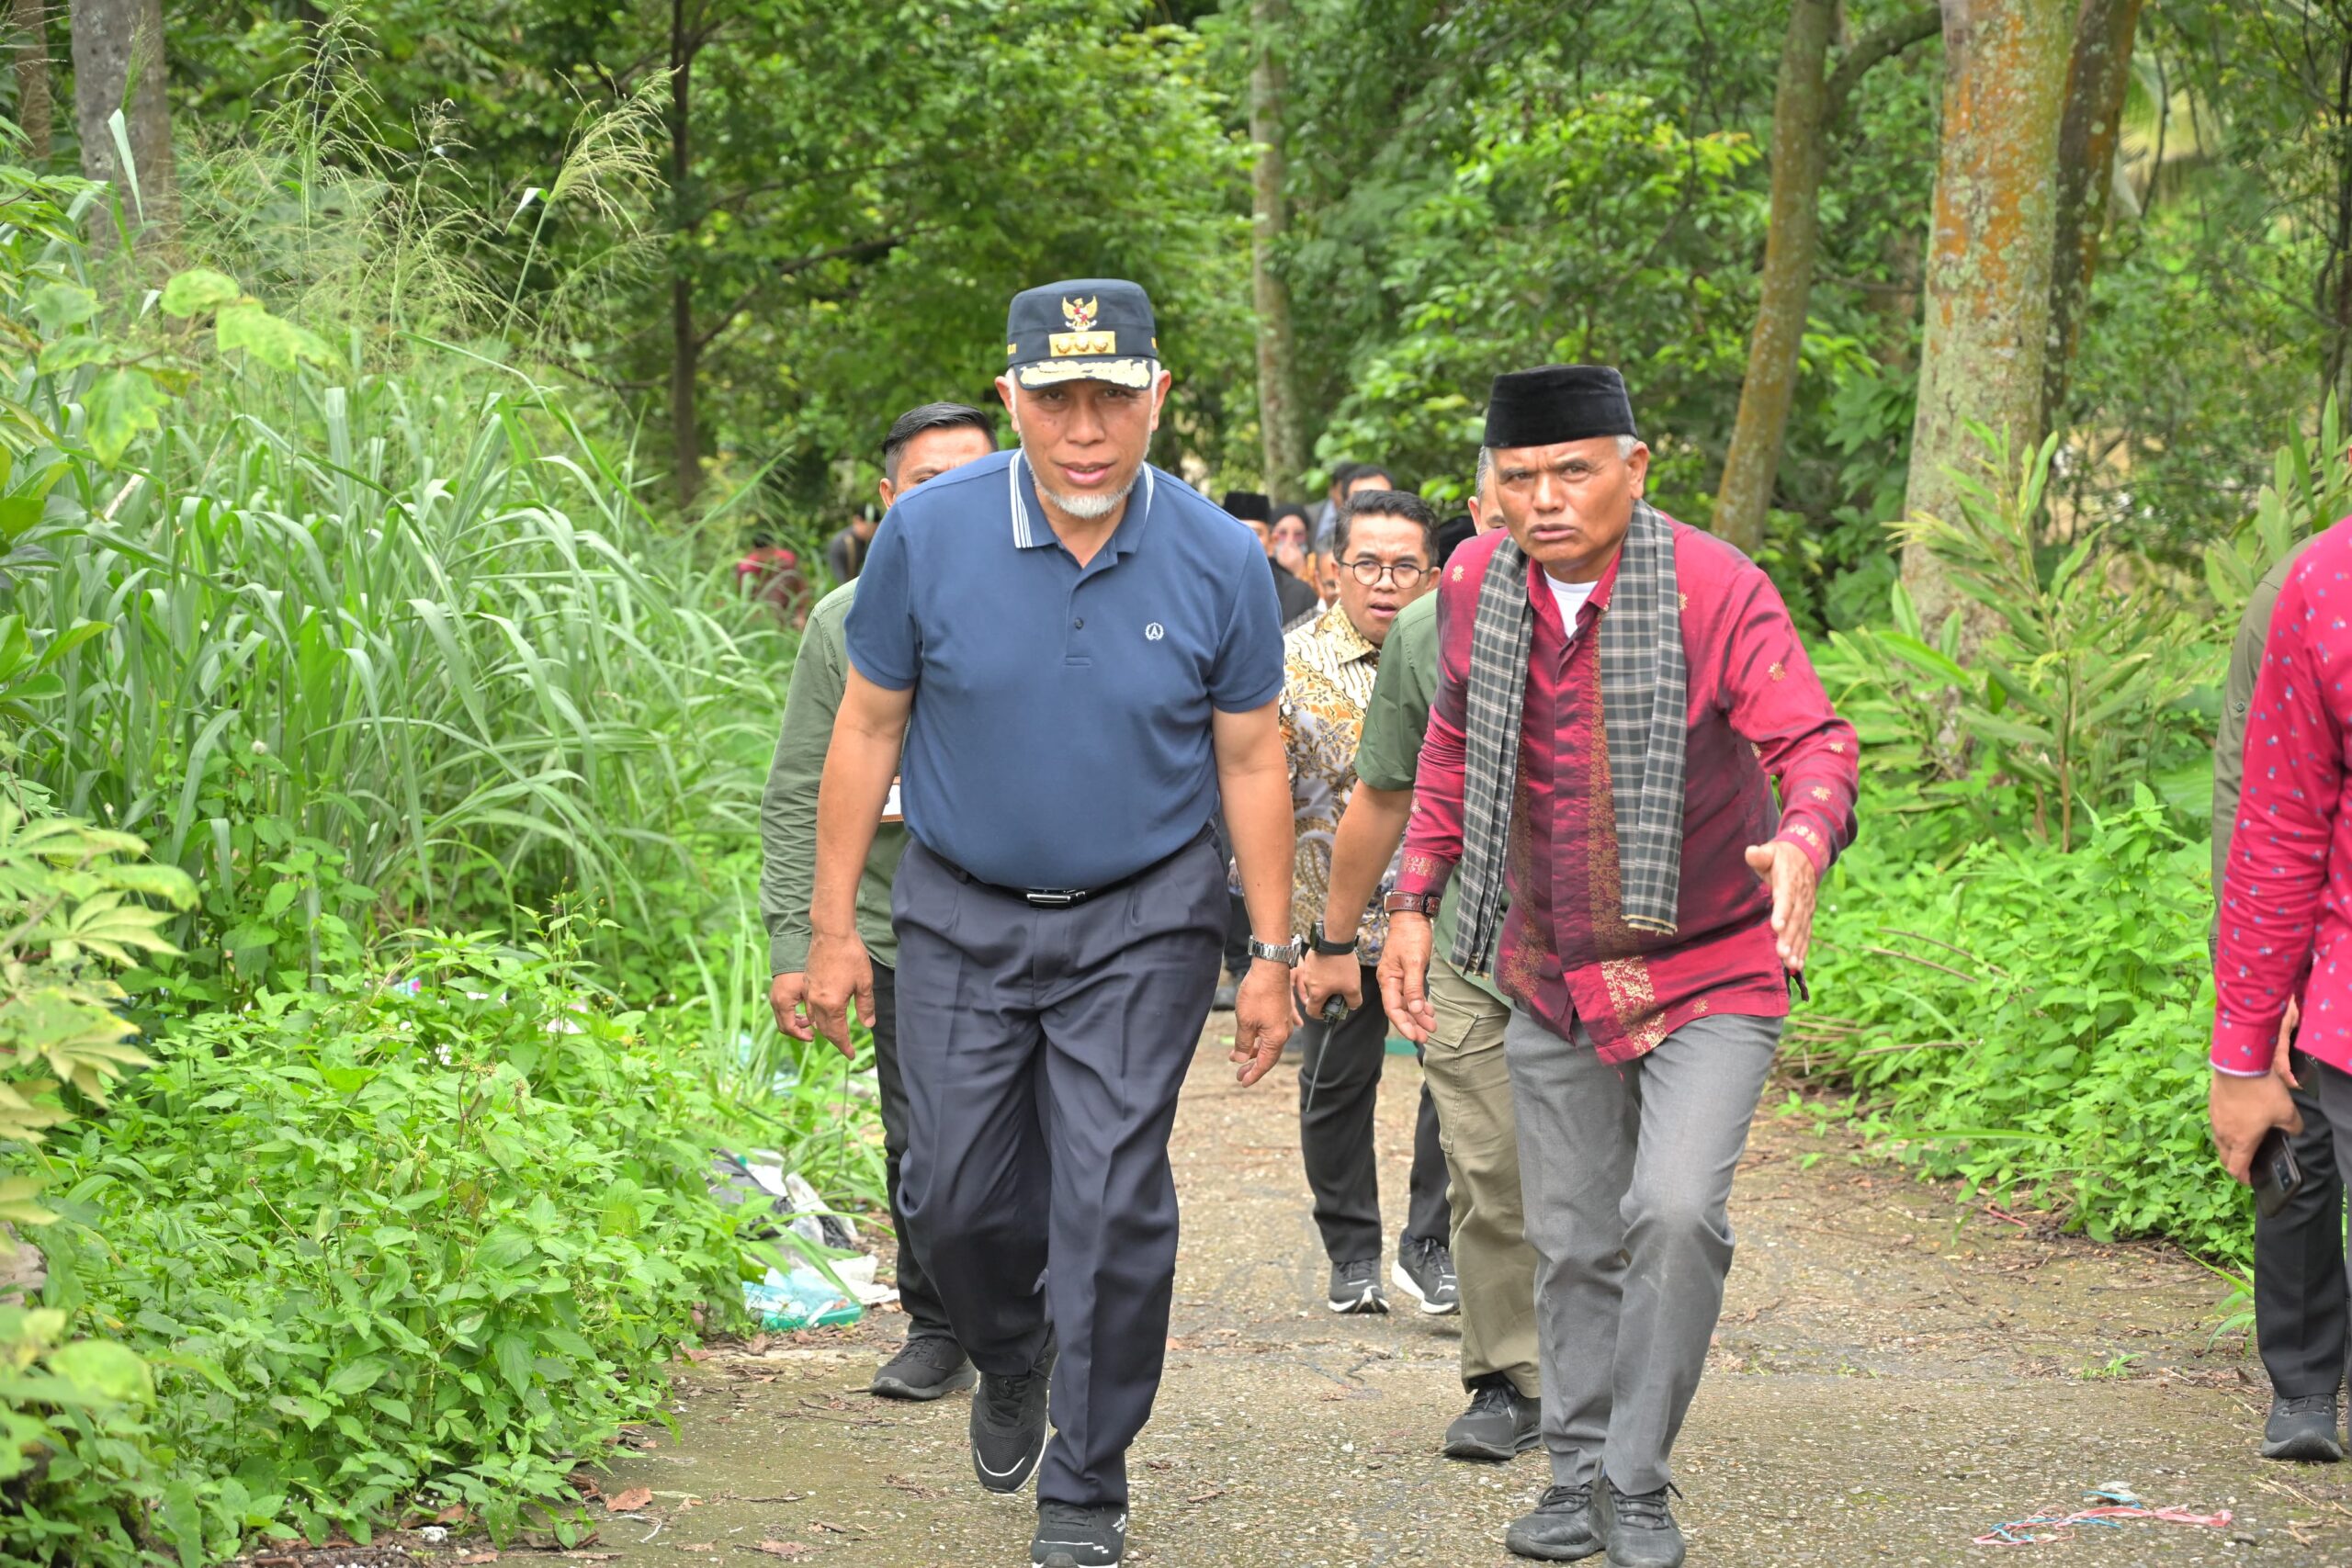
<point x="1032" y="532"/>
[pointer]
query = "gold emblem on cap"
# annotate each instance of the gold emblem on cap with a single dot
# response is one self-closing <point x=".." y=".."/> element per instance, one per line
<point x="1064" y="344"/>
<point x="1080" y="313"/>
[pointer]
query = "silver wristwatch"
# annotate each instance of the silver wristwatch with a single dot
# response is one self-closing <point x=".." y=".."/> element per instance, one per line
<point x="1286" y="956"/>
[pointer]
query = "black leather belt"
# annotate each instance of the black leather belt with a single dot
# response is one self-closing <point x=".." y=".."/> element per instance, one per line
<point x="1063" y="897"/>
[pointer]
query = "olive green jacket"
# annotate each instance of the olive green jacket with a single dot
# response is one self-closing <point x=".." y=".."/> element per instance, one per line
<point x="1395" y="721"/>
<point x="788" y="809"/>
<point x="2237" y="696"/>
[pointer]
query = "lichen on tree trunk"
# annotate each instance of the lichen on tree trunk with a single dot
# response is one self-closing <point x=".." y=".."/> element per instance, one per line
<point x="1988" y="274"/>
<point x="119" y="64"/>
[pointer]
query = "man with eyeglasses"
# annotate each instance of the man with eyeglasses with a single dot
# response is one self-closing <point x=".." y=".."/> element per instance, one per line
<point x="1385" y="547"/>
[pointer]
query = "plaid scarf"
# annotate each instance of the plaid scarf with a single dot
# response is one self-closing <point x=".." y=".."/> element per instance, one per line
<point x="1642" y="683"/>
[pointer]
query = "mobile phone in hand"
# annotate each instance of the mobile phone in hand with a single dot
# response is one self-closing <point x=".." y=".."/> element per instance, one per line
<point x="2276" y="1177"/>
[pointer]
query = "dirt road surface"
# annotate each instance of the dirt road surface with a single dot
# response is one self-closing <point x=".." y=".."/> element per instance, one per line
<point x="1896" y="1372"/>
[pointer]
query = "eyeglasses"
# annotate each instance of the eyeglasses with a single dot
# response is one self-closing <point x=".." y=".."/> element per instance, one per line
<point x="1403" y="573"/>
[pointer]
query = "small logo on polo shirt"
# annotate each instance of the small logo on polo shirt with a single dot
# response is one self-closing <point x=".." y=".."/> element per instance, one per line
<point x="1154" y="632"/>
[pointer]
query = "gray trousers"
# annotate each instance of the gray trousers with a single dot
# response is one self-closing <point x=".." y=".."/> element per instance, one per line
<point x="1626" y="1171"/>
<point x="1042" y="1050"/>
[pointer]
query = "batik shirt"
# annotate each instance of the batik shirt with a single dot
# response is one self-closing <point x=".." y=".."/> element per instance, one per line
<point x="1327" y="675"/>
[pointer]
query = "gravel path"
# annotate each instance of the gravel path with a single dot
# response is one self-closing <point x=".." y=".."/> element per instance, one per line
<point x="1896" y="1372"/>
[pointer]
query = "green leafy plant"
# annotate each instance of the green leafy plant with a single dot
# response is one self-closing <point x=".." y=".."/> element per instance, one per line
<point x="2028" y="1021"/>
<point x="427" y="1235"/>
<point x="2078" y="691"/>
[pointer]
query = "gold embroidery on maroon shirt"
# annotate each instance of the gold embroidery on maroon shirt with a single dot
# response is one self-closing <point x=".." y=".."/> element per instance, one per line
<point x="1778" y="672"/>
<point x="1635" y="1001"/>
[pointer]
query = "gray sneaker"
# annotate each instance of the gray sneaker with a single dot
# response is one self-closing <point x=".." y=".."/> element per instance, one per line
<point x="1355" y="1288"/>
<point x="1424" y="1271"/>
<point x="1561" y="1529"/>
<point x="1641" y="1529"/>
<point x="1500" y="1424"/>
<point x="2302" y="1429"/>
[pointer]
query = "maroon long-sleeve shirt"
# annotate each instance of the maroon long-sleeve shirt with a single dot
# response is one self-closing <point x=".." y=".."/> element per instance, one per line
<point x="1755" y="711"/>
<point x="2286" y="895"/>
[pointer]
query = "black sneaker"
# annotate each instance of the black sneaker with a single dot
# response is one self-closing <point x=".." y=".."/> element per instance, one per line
<point x="1424" y="1271"/>
<point x="1355" y="1287"/>
<point x="2302" y="1429"/>
<point x="1561" y="1529"/>
<point x="926" y="1367"/>
<point x="1641" y="1529"/>
<point x="1500" y="1423"/>
<point x="1070" y="1536"/>
<point x="1009" y="1424"/>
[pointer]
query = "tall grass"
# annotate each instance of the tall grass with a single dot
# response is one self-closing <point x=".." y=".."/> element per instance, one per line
<point x="390" y="640"/>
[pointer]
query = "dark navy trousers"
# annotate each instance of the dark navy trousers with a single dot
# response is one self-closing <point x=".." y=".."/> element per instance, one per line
<point x="1042" y="1051"/>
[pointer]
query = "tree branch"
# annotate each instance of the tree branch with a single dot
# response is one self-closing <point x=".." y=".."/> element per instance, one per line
<point x="1876" y="47"/>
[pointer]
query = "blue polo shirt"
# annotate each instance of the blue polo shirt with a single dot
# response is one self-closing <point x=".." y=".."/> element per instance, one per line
<point x="1060" y="734"/>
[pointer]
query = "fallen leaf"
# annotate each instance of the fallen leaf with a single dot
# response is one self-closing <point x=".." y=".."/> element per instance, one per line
<point x="628" y="1501"/>
<point x="479" y="1557"/>
<point x="790" y="1550"/>
<point x="455" y="1513"/>
<point x="829" y="1526"/>
<point x="697" y="1353"/>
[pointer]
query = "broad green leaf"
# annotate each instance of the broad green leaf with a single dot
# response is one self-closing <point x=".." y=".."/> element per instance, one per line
<point x="200" y="289"/>
<point x="275" y="342"/>
<point x="105" y="1368"/>
<point x="57" y="306"/>
<point x="120" y="404"/>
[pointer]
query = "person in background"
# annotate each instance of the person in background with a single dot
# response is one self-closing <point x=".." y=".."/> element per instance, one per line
<point x="1347" y="479"/>
<point x="770" y="573"/>
<point x="2300" y="1303"/>
<point x="1289" y="547"/>
<point x="1458" y="530"/>
<point x="1386" y="537"/>
<point x="923" y="443"/>
<point x="845" y="551"/>
<point x="1081" y="662"/>
<point x="1618" y="697"/>
<point x="1463" y="1060"/>
<point x="1298" y="601"/>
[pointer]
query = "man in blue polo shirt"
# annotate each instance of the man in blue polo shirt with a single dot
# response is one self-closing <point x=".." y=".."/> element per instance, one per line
<point x="1080" y="656"/>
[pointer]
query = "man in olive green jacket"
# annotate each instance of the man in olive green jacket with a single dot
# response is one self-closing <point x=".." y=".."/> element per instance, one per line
<point x="2299" y="1309"/>
<point x="924" y="444"/>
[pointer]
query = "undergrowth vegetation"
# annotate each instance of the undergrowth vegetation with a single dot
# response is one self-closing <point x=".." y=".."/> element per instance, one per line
<point x="2012" y="974"/>
<point x="376" y="778"/>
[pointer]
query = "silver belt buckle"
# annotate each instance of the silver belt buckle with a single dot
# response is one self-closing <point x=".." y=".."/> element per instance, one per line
<point x="1054" y="898"/>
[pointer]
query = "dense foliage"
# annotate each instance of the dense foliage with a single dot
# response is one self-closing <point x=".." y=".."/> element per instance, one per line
<point x="380" y="726"/>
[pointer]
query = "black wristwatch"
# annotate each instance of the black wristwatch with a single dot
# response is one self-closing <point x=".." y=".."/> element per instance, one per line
<point x="1320" y="941"/>
<point x="1287" y="957"/>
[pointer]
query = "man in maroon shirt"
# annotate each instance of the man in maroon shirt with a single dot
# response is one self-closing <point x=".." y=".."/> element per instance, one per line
<point x="1659" y="905"/>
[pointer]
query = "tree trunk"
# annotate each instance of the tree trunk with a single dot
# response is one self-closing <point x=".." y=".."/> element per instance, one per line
<point x="2096" y="78"/>
<point x="686" y="349"/>
<point x="1800" y="112"/>
<point x="1806" y="107"/>
<point x="1285" y="445"/>
<point x="1987" y="327"/>
<point x="28" y="21"/>
<point x="119" y="64"/>
<point x="2335" y="276"/>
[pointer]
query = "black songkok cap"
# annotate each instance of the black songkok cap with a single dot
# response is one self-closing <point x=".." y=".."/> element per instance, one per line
<point x="1247" y="505"/>
<point x="1553" y="403"/>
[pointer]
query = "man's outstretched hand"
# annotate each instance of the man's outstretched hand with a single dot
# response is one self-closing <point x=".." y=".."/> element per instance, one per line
<point x="1262" y="1020"/>
<point x="1790" y="876"/>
